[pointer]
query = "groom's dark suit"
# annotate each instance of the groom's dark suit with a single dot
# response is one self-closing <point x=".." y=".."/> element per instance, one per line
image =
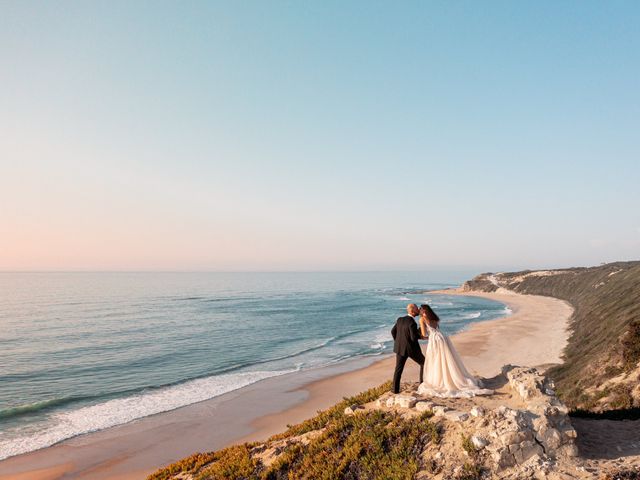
<point x="405" y="335"/>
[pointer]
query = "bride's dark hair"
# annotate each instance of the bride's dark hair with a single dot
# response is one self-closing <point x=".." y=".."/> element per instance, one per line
<point x="429" y="313"/>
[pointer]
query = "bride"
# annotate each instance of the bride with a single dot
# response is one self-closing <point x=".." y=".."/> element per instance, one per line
<point x="445" y="375"/>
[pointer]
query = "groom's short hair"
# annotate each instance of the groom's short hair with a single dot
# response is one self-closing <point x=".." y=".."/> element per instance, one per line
<point x="412" y="307"/>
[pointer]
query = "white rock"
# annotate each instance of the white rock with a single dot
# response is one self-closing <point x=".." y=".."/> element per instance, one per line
<point x="382" y="401"/>
<point x="477" y="411"/>
<point x="351" y="409"/>
<point x="424" y="406"/>
<point x="515" y="437"/>
<point x="570" y="433"/>
<point x="569" y="450"/>
<point x="439" y="410"/>
<point x="528" y="382"/>
<point x="478" y="442"/>
<point x="405" y="401"/>
<point x="456" y="416"/>
<point x="503" y="411"/>
<point x="526" y="450"/>
<point x="551" y="438"/>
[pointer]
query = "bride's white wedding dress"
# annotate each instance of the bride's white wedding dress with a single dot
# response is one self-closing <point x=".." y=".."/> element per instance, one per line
<point x="444" y="373"/>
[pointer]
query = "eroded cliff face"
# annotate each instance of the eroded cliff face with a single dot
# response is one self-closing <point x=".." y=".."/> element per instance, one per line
<point x="601" y="369"/>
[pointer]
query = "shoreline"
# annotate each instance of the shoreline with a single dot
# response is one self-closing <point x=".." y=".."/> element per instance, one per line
<point x="534" y="334"/>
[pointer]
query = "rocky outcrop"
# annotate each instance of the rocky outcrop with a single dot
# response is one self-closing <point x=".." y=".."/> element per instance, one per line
<point x="545" y="415"/>
<point x="532" y="434"/>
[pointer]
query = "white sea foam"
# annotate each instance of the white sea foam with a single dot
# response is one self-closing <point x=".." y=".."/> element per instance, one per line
<point x="472" y="315"/>
<point x="380" y="336"/>
<point x="507" y="311"/>
<point x="114" y="412"/>
<point x="436" y="304"/>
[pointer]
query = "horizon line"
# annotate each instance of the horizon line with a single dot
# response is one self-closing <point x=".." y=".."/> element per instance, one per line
<point x="372" y="270"/>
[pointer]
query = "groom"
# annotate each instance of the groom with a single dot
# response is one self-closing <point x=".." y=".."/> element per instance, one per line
<point x="405" y="335"/>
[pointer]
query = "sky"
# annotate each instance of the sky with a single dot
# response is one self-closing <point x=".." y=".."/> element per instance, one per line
<point x="320" y="135"/>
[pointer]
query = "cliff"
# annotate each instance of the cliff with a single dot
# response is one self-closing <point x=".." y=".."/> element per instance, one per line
<point x="601" y="369"/>
<point x="522" y="431"/>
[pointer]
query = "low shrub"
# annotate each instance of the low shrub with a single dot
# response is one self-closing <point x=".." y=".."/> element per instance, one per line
<point x="468" y="446"/>
<point x="621" y="397"/>
<point x="232" y="463"/>
<point x="612" y="371"/>
<point x="187" y="465"/>
<point x="631" y="346"/>
<point x="371" y="445"/>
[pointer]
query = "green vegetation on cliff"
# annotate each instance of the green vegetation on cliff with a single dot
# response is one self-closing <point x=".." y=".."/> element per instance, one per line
<point x="331" y="445"/>
<point x="373" y="445"/>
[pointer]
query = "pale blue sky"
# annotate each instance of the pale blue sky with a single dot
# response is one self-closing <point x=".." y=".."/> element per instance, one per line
<point x="318" y="135"/>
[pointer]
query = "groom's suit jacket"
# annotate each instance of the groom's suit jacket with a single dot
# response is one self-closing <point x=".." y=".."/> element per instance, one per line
<point x="405" y="335"/>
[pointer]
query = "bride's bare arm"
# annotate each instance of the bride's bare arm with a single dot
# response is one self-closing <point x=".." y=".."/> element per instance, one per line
<point x="423" y="328"/>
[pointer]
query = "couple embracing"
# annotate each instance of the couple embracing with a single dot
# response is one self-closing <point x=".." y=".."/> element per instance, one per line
<point x="446" y="375"/>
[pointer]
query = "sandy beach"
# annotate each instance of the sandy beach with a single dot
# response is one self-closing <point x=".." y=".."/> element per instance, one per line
<point x="534" y="334"/>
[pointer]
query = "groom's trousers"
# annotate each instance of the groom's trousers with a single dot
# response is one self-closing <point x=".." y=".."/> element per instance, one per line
<point x="417" y="357"/>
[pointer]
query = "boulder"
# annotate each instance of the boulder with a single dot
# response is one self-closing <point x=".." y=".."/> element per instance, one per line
<point x="528" y="382"/>
<point x="525" y="450"/>
<point x="382" y="400"/>
<point x="424" y="406"/>
<point x="550" y="437"/>
<point x="567" y="450"/>
<point x="503" y="459"/>
<point x="405" y="401"/>
<point x="456" y="416"/>
<point x="439" y="410"/>
<point x="515" y="437"/>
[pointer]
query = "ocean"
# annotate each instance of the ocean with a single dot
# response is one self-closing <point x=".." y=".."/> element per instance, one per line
<point x="81" y="352"/>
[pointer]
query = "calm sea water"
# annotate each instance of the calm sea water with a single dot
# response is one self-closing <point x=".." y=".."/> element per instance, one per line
<point x="80" y="352"/>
